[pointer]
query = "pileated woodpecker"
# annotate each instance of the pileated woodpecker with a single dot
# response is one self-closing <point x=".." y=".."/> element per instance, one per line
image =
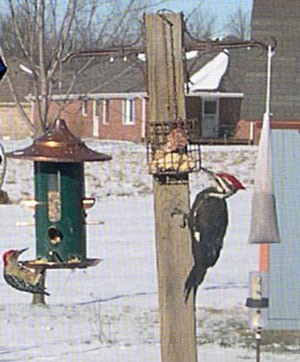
<point x="207" y="221"/>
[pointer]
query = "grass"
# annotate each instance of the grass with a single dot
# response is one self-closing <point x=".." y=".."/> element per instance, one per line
<point x="229" y="328"/>
<point x="281" y="340"/>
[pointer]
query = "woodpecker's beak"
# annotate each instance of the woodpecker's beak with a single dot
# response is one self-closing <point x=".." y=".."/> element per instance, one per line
<point x="210" y="173"/>
<point x="21" y="251"/>
<point x="216" y="178"/>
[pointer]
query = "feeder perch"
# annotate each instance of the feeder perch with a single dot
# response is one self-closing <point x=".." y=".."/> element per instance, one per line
<point x="257" y="299"/>
<point x="60" y="216"/>
<point x="173" y="147"/>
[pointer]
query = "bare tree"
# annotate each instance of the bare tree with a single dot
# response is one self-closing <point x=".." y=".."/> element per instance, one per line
<point x="40" y="53"/>
<point x="43" y="32"/>
<point x="201" y="23"/>
<point x="238" y="24"/>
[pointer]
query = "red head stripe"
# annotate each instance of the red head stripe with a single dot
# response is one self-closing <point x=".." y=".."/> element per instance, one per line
<point x="232" y="179"/>
<point x="6" y="255"/>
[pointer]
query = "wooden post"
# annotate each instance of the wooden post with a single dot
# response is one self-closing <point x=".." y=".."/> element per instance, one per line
<point x="174" y="257"/>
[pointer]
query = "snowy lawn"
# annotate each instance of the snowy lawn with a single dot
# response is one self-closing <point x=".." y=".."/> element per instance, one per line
<point x="109" y="312"/>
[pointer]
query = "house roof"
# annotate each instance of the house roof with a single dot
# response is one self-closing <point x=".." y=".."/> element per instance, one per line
<point x="239" y="62"/>
<point x="130" y="76"/>
<point x="23" y="84"/>
<point x="209" y="72"/>
<point x="233" y="79"/>
<point x="118" y="76"/>
<point x="210" y="75"/>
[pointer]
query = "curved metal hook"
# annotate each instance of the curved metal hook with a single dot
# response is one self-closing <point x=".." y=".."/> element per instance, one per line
<point x="264" y="46"/>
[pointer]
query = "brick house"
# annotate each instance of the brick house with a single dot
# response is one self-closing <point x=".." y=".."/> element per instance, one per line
<point x="109" y="99"/>
<point x="216" y="103"/>
<point x="11" y="124"/>
<point x="118" y="116"/>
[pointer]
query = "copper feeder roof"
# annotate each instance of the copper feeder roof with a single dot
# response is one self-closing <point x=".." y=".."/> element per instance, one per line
<point x="58" y="144"/>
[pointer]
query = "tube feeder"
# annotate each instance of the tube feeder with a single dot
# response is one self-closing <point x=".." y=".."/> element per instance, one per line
<point x="60" y="212"/>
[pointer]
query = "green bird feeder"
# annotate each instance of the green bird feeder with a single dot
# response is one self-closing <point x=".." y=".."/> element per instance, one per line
<point x="60" y="212"/>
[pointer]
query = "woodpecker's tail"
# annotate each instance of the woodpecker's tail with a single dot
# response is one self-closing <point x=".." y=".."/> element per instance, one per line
<point x="194" y="279"/>
<point x="40" y="285"/>
<point x="40" y="289"/>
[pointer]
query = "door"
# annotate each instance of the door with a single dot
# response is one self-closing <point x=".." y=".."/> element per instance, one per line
<point x="96" y="118"/>
<point x="210" y="118"/>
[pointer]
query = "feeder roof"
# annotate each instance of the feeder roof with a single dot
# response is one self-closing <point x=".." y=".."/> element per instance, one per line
<point x="58" y="144"/>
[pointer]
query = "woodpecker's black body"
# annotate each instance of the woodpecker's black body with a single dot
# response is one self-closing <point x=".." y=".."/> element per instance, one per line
<point x="207" y="221"/>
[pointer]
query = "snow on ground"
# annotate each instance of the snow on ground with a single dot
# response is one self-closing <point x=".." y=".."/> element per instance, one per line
<point x="127" y="173"/>
<point x="109" y="312"/>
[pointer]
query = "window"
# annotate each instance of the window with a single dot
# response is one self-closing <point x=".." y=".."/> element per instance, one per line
<point x="128" y="116"/>
<point x="105" y="111"/>
<point x="210" y="118"/>
<point x="210" y="107"/>
<point x="85" y="107"/>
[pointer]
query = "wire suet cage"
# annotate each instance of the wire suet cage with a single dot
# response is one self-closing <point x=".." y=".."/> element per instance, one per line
<point x="173" y="147"/>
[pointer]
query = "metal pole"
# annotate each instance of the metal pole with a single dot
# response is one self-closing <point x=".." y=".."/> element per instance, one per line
<point x="258" y="342"/>
<point x="269" y="65"/>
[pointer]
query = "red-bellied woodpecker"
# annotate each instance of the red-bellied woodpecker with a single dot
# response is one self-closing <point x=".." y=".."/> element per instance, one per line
<point x="20" y="277"/>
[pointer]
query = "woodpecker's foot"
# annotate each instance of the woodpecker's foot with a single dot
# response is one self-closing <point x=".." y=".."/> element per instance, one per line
<point x="177" y="211"/>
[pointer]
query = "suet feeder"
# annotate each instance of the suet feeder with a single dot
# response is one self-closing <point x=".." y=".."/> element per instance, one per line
<point x="264" y="226"/>
<point x="173" y="147"/>
<point x="60" y="213"/>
